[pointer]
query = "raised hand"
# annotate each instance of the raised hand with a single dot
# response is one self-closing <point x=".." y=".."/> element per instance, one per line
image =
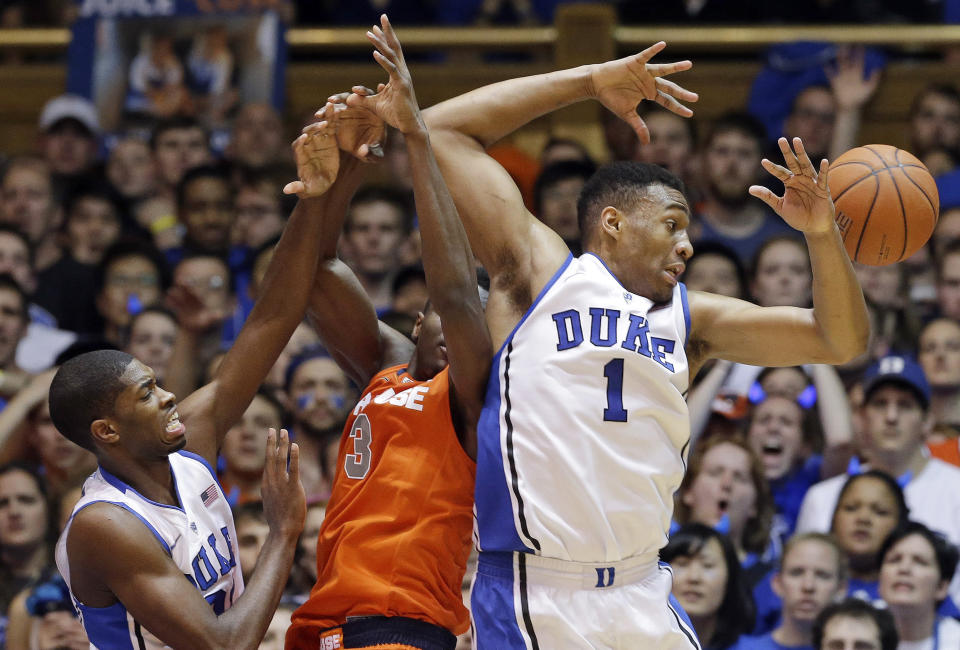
<point x="806" y="204"/>
<point x="284" y="501"/>
<point x="317" y="156"/>
<point x="360" y="132"/>
<point x="395" y="102"/>
<point x="851" y="89"/>
<point x="622" y="84"/>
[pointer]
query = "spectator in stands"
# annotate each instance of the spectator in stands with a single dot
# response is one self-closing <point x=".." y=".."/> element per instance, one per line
<point x="304" y="573"/>
<point x="618" y="136"/>
<point x="261" y="207"/>
<point x="256" y="140"/>
<point x="319" y="396"/>
<point x="563" y="149"/>
<point x="935" y="120"/>
<point x="69" y="136"/>
<point x="25" y="535"/>
<point x="156" y="81"/>
<point x="730" y="161"/>
<point x="939" y="354"/>
<point x="781" y="273"/>
<point x="27" y="202"/>
<point x="152" y="334"/>
<point x="379" y="220"/>
<point x="853" y="624"/>
<point x="91" y="225"/>
<point x="555" y="196"/>
<point x="887" y="292"/>
<point x="724" y="487"/>
<point x="132" y="169"/>
<point x="210" y="74"/>
<point x="716" y="269"/>
<point x="252" y="531"/>
<point x="206" y="209"/>
<point x="179" y="144"/>
<point x="303" y="337"/>
<point x="275" y="638"/>
<point x="129" y="278"/>
<point x="812" y="573"/>
<point x="918" y="565"/>
<point x="947" y="230"/>
<point x="14" y="318"/>
<point x="708" y="584"/>
<point x="242" y="451"/>
<point x="673" y="145"/>
<point x="409" y="292"/>
<point x="208" y="278"/>
<point x="948" y="281"/>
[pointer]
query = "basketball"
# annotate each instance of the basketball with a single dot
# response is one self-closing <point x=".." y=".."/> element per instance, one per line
<point x="887" y="203"/>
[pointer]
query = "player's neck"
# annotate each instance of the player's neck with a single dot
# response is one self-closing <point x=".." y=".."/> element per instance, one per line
<point x="793" y="632"/>
<point x="152" y="479"/>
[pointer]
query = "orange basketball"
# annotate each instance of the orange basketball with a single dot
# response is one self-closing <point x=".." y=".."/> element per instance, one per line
<point x="887" y="203"/>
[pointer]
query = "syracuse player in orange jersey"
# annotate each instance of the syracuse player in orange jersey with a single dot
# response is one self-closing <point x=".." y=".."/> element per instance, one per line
<point x="393" y="547"/>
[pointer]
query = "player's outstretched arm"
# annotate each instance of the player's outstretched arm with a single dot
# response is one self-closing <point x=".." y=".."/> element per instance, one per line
<point x="210" y="411"/>
<point x="139" y="573"/>
<point x="836" y="330"/>
<point x="447" y="259"/>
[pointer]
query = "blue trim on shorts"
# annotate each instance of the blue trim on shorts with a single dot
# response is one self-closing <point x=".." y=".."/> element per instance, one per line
<point x="492" y="605"/>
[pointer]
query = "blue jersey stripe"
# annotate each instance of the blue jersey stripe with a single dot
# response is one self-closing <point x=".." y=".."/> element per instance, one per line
<point x="107" y="627"/>
<point x="133" y="512"/>
<point x="686" y="312"/>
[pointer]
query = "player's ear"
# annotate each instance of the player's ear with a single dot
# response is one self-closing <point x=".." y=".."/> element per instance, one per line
<point x="103" y="431"/>
<point x="610" y="219"/>
<point x="415" y="334"/>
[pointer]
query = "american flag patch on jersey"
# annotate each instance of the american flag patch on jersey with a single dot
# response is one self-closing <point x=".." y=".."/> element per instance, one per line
<point x="209" y="495"/>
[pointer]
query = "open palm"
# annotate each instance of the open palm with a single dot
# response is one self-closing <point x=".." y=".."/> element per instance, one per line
<point x="806" y="203"/>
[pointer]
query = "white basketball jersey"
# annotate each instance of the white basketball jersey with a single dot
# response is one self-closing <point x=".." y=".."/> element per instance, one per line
<point x="199" y="537"/>
<point x="583" y="436"/>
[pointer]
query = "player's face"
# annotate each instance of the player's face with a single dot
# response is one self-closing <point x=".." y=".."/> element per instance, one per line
<point x="893" y="421"/>
<point x="178" y="150"/>
<point x="700" y="580"/>
<point x="936" y="124"/>
<point x="251" y="536"/>
<point x="808" y="580"/>
<point x="431" y="349"/>
<point x="15" y="260"/>
<point x="848" y="633"/>
<point x="940" y="353"/>
<point x="713" y="274"/>
<point x="307" y="545"/>
<point x="208" y="213"/>
<point x="23" y="511"/>
<point x="910" y="575"/>
<point x="670" y="143"/>
<point x="948" y="287"/>
<point x="723" y="486"/>
<point x="28" y="202"/>
<point x="812" y="120"/>
<point x="243" y="447"/>
<point x="151" y="340"/>
<point x="13" y="324"/>
<point x="125" y="277"/>
<point x="319" y="393"/>
<point x="732" y="164"/>
<point x="783" y="276"/>
<point x="92" y="227"/>
<point x="145" y="416"/>
<point x="131" y="169"/>
<point x="55" y="452"/>
<point x="654" y="245"/>
<point x="558" y="208"/>
<point x="776" y="435"/>
<point x="373" y="237"/>
<point x="865" y="515"/>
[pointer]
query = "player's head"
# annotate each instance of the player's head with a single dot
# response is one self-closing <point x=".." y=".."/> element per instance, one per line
<point x="431" y="348"/>
<point x="731" y="158"/>
<point x="854" y="624"/>
<point x="868" y="509"/>
<point x="716" y="269"/>
<point x="916" y="567"/>
<point x="108" y="402"/>
<point x="812" y="573"/>
<point x="708" y="581"/>
<point x="635" y="217"/>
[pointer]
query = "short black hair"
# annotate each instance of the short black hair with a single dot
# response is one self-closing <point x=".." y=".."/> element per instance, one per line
<point x="646" y="109"/>
<point x="132" y="248"/>
<point x="706" y="248"/>
<point x="942" y="89"/>
<point x="622" y="185"/>
<point x="903" y="510"/>
<point x="149" y="309"/>
<point x="945" y="552"/>
<point x="396" y="196"/>
<point x="737" y="611"/>
<point x="558" y="172"/>
<point x="857" y="609"/>
<point x="407" y="275"/>
<point x="85" y="389"/>
<point x="739" y="122"/>
<point x="218" y="172"/>
<point x="91" y="188"/>
<point x="174" y="123"/>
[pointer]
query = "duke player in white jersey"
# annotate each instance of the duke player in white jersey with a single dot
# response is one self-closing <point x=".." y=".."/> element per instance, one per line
<point x="150" y="552"/>
<point x="583" y="439"/>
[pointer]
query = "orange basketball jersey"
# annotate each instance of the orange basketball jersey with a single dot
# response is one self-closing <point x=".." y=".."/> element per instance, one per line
<point x="397" y="532"/>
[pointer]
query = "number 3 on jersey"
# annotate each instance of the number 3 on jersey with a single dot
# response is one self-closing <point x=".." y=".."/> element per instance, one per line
<point x="357" y="464"/>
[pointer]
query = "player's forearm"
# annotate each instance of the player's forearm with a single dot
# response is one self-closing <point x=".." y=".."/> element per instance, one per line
<point x="447" y="258"/>
<point x="245" y="623"/>
<point x="838" y="304"/>
<point x="488" y="114"/>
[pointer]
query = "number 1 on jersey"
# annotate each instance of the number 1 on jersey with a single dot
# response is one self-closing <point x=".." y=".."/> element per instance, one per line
<point x="614" y="412"/>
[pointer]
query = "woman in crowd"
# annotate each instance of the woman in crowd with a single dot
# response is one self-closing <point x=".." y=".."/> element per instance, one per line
<point x="708" y="584"/>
